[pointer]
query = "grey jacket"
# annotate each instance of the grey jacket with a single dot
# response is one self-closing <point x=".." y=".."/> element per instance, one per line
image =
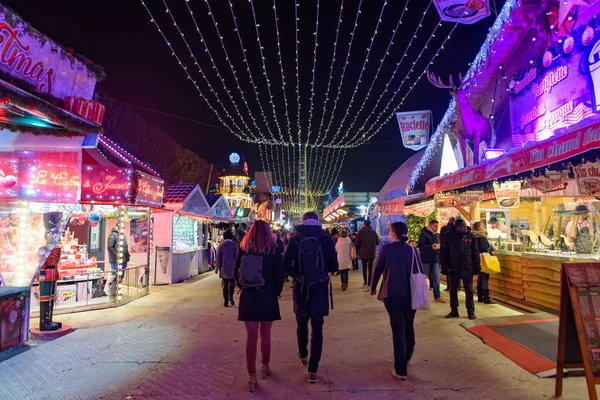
<point x="226" y="256"/>
<point x="394" y="264"/>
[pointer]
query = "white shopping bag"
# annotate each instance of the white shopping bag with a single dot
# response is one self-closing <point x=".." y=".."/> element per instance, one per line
<point x="419" y="289"/>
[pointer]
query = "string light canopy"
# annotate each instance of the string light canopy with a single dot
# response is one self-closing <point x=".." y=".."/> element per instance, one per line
<point x="257" y="66"/>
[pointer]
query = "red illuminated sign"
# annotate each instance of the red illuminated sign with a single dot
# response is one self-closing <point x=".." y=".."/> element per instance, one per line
<point x="106" y="184"/>
<point x="149" y="191"/>
<point x="39" y="176"/>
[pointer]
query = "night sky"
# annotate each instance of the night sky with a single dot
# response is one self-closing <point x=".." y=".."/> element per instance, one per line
<point x="119" y="36"/>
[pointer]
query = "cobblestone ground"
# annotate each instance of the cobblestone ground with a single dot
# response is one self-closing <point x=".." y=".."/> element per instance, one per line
<point x="181" y="343"/>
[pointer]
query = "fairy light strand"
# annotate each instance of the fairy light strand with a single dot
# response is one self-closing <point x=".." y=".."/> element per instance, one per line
<point x="264" y="65"/>
<point x="398" y="65"/>
<point x="252" y="82"/>
<point x="237" y="133"/>
<point x="346" y="63"/>
<point x="362" y="70"/>
<point x="214" y="67"/>
<point x="387" y="53"/>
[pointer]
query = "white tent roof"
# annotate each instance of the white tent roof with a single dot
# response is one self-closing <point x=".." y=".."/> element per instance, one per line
<point x="398" y="181"/>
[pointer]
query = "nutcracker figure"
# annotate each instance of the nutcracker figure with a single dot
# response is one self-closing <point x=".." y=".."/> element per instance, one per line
<point x="47" y="278"/>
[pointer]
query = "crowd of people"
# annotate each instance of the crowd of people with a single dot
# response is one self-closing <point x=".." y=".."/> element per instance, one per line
<point x="260" y="261"/>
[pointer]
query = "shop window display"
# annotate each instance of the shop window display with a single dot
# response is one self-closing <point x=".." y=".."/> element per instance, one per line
<point x="187" y="234"/>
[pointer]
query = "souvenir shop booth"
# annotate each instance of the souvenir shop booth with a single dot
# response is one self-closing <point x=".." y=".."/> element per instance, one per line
<point x="181" y="235"/>
<point x="220" y="213"/>
<point x="46" y="107"/>
<point x="526" y="162"/>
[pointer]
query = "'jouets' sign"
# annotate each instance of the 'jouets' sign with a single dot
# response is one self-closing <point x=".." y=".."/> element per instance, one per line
<point x="106" y="184"/>
<point x="28" y="55"/>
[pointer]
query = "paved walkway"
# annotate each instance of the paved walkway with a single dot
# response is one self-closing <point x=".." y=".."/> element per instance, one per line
<point x="181" y="343"/>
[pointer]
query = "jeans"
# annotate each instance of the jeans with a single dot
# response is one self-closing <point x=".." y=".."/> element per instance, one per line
<point x="316" y="340"/>
<point x="228" y="288"/>
<point x="252" y="330"/>
<point x="453" y="282"/>
<point x="344" y="276"/>
<point x="402" y="318"/>
<point x="434" y="270"/>
<point x="367" y="264"/>
<point x="483" y="281"/>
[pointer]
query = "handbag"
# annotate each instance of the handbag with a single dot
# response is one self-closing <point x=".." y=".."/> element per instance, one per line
<point x="489" y="264"/>
<point x="419" y="289"/>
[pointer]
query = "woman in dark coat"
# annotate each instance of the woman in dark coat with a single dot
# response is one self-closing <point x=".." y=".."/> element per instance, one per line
<point x="259" y="306"/>
<point x="483" y="279"/>
<point x="394" y="265"/>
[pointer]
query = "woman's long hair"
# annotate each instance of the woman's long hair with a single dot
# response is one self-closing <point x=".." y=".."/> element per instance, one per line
<point x="259" y="239"/>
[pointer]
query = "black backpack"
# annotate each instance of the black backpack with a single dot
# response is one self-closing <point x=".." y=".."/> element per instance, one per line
<point x="251" y="271"/>
<point x="311" y="266"/>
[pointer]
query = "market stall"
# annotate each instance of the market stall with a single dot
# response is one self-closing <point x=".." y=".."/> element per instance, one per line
<point x="185" y="230"/>
<point x="520" y="145"/>
<point x="118" y="193"/>
<point x="40" y="158"/>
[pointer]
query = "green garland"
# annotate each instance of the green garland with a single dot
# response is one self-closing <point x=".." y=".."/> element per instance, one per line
<point x="416" y="224"/>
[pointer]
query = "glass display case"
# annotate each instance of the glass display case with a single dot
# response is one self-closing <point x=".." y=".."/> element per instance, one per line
<point x="187" y="234"/>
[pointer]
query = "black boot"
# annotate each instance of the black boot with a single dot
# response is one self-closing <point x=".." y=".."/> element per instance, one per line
<point x="480" y="297"/>
<point x="486" y="297"/>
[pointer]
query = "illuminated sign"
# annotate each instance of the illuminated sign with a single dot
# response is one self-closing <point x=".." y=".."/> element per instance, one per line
<point x="39" y="176"/>
<point x="27" y="54"/>
<point x="234" y="158"/>
<point x="558" y="91"/>
<point x="149" y="190"/>
<point x="106" y="184"/>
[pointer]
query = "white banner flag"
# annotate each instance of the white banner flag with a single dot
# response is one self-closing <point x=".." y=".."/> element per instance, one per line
<point x="414" y="128"/>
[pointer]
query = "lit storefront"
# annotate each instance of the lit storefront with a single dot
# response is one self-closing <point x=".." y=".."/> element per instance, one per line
<point x="536" y="190"/>
<point x="184" y="230"/>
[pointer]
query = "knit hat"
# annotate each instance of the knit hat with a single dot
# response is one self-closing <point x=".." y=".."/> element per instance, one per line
<point x="310" y="215"/>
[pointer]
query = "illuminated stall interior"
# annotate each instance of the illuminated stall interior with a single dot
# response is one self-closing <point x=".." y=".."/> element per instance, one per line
<point x="184" y="229"/>
<point x="118" y="191"/>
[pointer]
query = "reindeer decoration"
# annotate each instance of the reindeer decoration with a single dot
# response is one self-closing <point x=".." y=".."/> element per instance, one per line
<point x="477" y="128"/>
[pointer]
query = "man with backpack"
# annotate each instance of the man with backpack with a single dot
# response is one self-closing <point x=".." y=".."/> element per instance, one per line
<point x="309" y="258"/>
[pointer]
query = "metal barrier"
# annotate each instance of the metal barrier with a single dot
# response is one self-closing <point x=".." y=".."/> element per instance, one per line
<point x="97" y="290"/>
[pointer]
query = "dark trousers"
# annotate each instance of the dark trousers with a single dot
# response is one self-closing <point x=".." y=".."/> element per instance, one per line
<point x="453" y="283"/>
<point x="402" y="318"/>
<point x="316" y="340"/>
<point x="355" y="264"/>
<point x="483" y="281"/>
<point x="367" y="265"/>
<point x="228" y="288"/>
<point x="344" y="276"/>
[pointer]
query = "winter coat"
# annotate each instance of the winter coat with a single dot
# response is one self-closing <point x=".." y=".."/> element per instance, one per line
<point x="226" y="258"/>
<point x="394" y="264"/>
<point x="482" y="243"/>
<point x="314" y="300"/>
<point x="367" y="241"/>
<point x="113" y="247"/>
<point x="426" y="241"/>
<point x="460" y="255"/>
<point x="262" y="303"/>
<point x="344" y="248"/>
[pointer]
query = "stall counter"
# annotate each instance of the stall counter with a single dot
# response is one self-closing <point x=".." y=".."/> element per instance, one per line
<point x="530" y="279"/>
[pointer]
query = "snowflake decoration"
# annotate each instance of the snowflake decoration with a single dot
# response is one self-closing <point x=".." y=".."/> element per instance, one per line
<point x="2" y="16"/>
<point x="18" y="303"/>
<point x="54" y="47"/>
<point x="23" y="313"/>
<point x="79" y="65"/>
